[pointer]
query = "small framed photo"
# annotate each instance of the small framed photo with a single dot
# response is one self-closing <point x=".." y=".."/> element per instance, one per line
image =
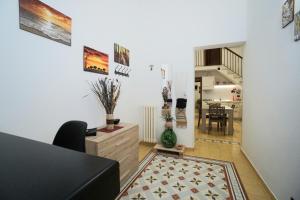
<point x="288" y="12"/>
<point x="297" y="26"/>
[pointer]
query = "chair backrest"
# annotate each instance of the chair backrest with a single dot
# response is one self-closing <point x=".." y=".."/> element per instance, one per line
<point x="215" y="110"/>
<point x="71" y="135"/>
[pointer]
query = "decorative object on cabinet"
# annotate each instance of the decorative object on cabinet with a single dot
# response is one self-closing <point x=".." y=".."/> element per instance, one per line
<point x="121" y="145"/>
<point x="179" y="146"/>
<point x="169" y="101"/>
<point x="166" y="108"/>
<point x="107" y="91"/>
<point x="116" y="121"/>
<point x="169" y="120"/>
<point x="39" y="18"/>
<point x="181" y="121"/>
<point x="287" y="12"/>
<point x="106" y="130"/>
<point x="121" y="55"/>
<point x="168" y="138"/>
<point x="165" y="93"/>
<point x="169" y="86"/>
<point x="122" y="71"/>
<point x="95" y="61"/>
<point x="297" y="26"/>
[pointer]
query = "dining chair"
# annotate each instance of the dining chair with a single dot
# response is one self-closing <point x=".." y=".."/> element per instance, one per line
<point x="217" y="114"/>
<point x="71" y="135"/>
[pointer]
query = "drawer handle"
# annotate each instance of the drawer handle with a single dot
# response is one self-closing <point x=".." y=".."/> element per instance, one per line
<point x="122" y="142"/>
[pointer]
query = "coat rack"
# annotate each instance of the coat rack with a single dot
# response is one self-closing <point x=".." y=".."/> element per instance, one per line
<point x="122" y="71"/>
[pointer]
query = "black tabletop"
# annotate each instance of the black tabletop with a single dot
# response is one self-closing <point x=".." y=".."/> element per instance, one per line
<point x="35" y="170"/>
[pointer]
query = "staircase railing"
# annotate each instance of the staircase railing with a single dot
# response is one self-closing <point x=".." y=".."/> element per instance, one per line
<point x="232" y="61"/>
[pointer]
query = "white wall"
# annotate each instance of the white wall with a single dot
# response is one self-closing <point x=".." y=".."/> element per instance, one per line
<point x="42" y="83"/>
<point x="271" y="86"/>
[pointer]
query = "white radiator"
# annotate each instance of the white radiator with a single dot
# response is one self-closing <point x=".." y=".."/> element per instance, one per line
<point x="149" y="124"/>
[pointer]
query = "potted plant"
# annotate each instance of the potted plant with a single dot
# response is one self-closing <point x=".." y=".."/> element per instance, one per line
<point x="169" y="120"/>
<point x="168" y="138"/>
<point x="107" y="91"/>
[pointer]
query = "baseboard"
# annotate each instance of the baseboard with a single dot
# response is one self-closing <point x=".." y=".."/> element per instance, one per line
<point x="190" y="148"/>
<point x="147" y="143"/>
<point x="257" y="172"/>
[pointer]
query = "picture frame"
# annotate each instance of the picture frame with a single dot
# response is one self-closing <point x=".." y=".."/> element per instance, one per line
<point x="38" y="18"/>
<point x="95" y="61"/>
<point x="121" y="55"/>
<point x="297" y="26"/>
<point x="288" y="12"/>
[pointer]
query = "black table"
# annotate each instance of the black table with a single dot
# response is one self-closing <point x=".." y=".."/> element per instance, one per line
<point x="37" y="171"/>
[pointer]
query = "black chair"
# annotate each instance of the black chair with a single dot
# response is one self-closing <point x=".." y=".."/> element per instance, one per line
<point x="71" y="135"/>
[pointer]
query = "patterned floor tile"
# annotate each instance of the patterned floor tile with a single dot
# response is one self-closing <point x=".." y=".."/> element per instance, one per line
<point x="167" y="177"/>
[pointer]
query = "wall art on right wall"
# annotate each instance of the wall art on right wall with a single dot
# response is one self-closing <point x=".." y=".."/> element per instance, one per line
<point x="288" y="12"/>
<point x="297" y="26"/>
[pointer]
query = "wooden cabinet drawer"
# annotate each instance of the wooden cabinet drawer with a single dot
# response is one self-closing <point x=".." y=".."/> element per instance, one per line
<point x="121" y="145"/>
<point x="129" y="166"/>
<point x="112" y="145"/>
<point x="129" y="133"/>
<point x="128" y="161"/>
<point x="122" y="152"/>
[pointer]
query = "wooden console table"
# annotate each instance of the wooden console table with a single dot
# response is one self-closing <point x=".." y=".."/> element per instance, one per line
<point x="161" y="148"/>
<point x="120" y="145"/>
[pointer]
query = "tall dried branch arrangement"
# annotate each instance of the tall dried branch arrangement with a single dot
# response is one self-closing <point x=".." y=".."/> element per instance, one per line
<point x="108" y="91"/>
<point x="165" y="93"/>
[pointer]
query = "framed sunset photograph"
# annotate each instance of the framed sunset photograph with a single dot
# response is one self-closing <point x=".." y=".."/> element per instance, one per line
<point x="95" y="61"/>
<point x="39" y="18"/>
<point x="288" y="12"/>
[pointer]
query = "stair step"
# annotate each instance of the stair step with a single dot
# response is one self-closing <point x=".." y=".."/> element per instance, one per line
<point x="237" y="76"/>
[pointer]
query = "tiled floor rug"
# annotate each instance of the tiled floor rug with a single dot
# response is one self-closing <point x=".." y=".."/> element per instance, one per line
<point x="189" y="178"/>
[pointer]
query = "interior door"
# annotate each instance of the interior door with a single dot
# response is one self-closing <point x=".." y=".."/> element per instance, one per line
<point x="212" y="57"/>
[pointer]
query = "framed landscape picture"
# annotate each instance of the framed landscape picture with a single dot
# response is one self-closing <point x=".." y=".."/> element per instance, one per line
<point x="121" y="55"/>
<point x="39" y="18"/>
<point x="288" y="12"/>
<point x="95" y="61"/>
<point x="297" y="26"/>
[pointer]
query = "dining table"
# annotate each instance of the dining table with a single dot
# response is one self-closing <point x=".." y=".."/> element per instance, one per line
<point x="229" y="113"/>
